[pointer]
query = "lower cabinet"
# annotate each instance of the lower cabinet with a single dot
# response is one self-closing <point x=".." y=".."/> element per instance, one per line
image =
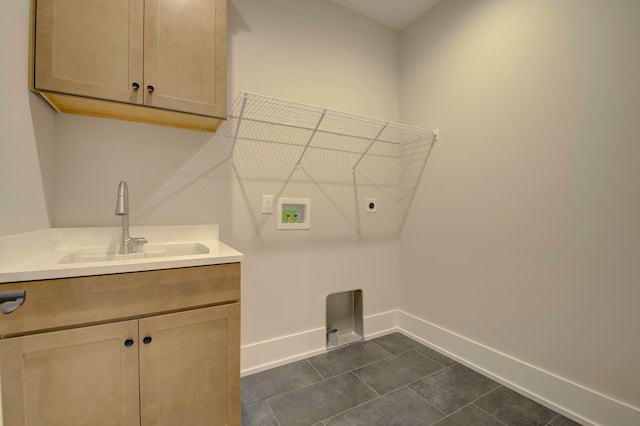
<point x="174" y="369"/>
<point x="84" y="376"/>
<point x="189" y="364"/>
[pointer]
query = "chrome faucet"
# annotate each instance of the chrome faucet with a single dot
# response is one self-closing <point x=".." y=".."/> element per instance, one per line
<point x="122" y="209"/>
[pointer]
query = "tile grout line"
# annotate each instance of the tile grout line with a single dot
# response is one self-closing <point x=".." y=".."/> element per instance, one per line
<point x="502" y="386"/>
<point x="321" y="381"/>
<point x="353" y="371"/>
<point x="392" y="355"/>
<point x="489" y="414"/>
<point x="488" y="392"/>
<point x="401" y="352"/>
<point x="425" y="377"/>
<point x="553" y="419"/>
<point x="359" y="405"/>
<point x="418" y="345"/>
<point x="295" y="390"/>
<point x="460" y="408"/>
<point x="482" y="409"/>
<point x="518" y="393"/>
<point x="444" y="367"/>
<point x="324" y="379"/>
<point x="361" y="366"/>
<point x="272" y="413"/>
<point x="393" y="390"/>
<point x="365" y="383"/>
<point x="316" y="383"/>
<point x="415" y="349"/>
<point x="424" y="399"/>
<point x="406" y="384"/>
<point x="371" y="363"/>
<point x="352" y="408"/>
<point x="315" y="369"/>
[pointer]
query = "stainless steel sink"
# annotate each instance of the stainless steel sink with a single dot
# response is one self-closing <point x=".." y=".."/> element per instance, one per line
<point x="146" y="251"/>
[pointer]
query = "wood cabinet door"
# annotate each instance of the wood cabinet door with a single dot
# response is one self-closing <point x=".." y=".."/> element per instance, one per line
<point x="84" y="376"/>
<point x="185" y="51"/>
<point x="190" y="367"/>
<point x="90" y="48"/>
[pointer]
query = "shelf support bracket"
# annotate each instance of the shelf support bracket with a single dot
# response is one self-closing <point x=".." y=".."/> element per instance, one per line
<point x="235" y="134"/>
<point x="374" y="140"/>
<point x="313" y="133"/>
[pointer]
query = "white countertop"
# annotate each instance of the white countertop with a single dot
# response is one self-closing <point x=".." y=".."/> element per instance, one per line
<point x="37" y="255"/>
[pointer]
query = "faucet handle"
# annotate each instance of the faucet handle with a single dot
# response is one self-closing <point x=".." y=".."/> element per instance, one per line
<point x="138" y="241"/>
<point x="134" y="242"/>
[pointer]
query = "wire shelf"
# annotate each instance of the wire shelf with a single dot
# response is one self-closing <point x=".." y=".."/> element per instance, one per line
<point x="262" y="118"/>
<point x="332" y="149"/>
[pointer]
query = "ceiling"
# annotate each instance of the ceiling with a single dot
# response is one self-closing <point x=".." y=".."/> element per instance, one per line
<point x="396" y="14"/>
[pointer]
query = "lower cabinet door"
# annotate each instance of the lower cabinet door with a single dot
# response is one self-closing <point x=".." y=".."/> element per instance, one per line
<point x="190" y="367"/>
<point x="84" y="376"/>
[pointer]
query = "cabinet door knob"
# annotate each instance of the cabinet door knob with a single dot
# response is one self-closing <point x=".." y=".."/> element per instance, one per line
<point x="135" y="86"/>
<point x="128" y="343"/>
<point x="150" y="89"/>
<point x="147" y="340"/>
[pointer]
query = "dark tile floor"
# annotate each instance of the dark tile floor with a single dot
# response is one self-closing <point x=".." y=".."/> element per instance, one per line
<point x="391" y="380"/>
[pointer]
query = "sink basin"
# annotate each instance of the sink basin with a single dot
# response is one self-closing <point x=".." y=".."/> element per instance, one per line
<point x="145" y="252"/>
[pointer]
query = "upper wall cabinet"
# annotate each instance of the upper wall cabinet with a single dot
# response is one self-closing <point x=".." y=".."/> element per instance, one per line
<point x="156" y="61"/>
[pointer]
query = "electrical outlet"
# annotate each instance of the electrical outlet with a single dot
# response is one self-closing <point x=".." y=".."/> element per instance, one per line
<point x="267" y="204"/>
<point x="372" y="205"/>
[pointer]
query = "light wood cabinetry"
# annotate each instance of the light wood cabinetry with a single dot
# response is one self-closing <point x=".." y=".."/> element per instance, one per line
<point x="90" y="48"/>
<point x="85" y="376"/>
<point x="176" y="360"/>
<point x="189" y="367"/>
<point x="156" y="61"/>
<point x="185" y="56"/>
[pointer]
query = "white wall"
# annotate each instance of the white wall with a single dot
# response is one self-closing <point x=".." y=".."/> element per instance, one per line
<point x="22" y="205"/>
<point x="524" y="236"/>
<point x="310" y="51"/>
<point x="22" y="202"/>
<point x="315" y="52"/>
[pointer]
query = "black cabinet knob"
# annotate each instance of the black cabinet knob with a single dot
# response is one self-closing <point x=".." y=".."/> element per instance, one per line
<point x="147" y="340"/>
<point x="150" y="89"/>
<point x="135" y="86"/>
<point x="128" y="343"/>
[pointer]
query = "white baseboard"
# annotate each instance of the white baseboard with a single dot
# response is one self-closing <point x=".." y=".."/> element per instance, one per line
<point x="568" y="398"/>
<point x="573" y="400"/>
<point x="282" y="350"/>
<point x="380" y="324"/>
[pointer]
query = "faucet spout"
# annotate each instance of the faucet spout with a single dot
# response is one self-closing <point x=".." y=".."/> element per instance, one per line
<point x="122" y="203"/>
<point x="122" y="209"/>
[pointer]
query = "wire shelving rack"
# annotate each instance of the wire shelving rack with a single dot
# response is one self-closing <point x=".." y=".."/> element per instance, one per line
<point x="262" y="118"/>
<point x="370" y="146"/>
